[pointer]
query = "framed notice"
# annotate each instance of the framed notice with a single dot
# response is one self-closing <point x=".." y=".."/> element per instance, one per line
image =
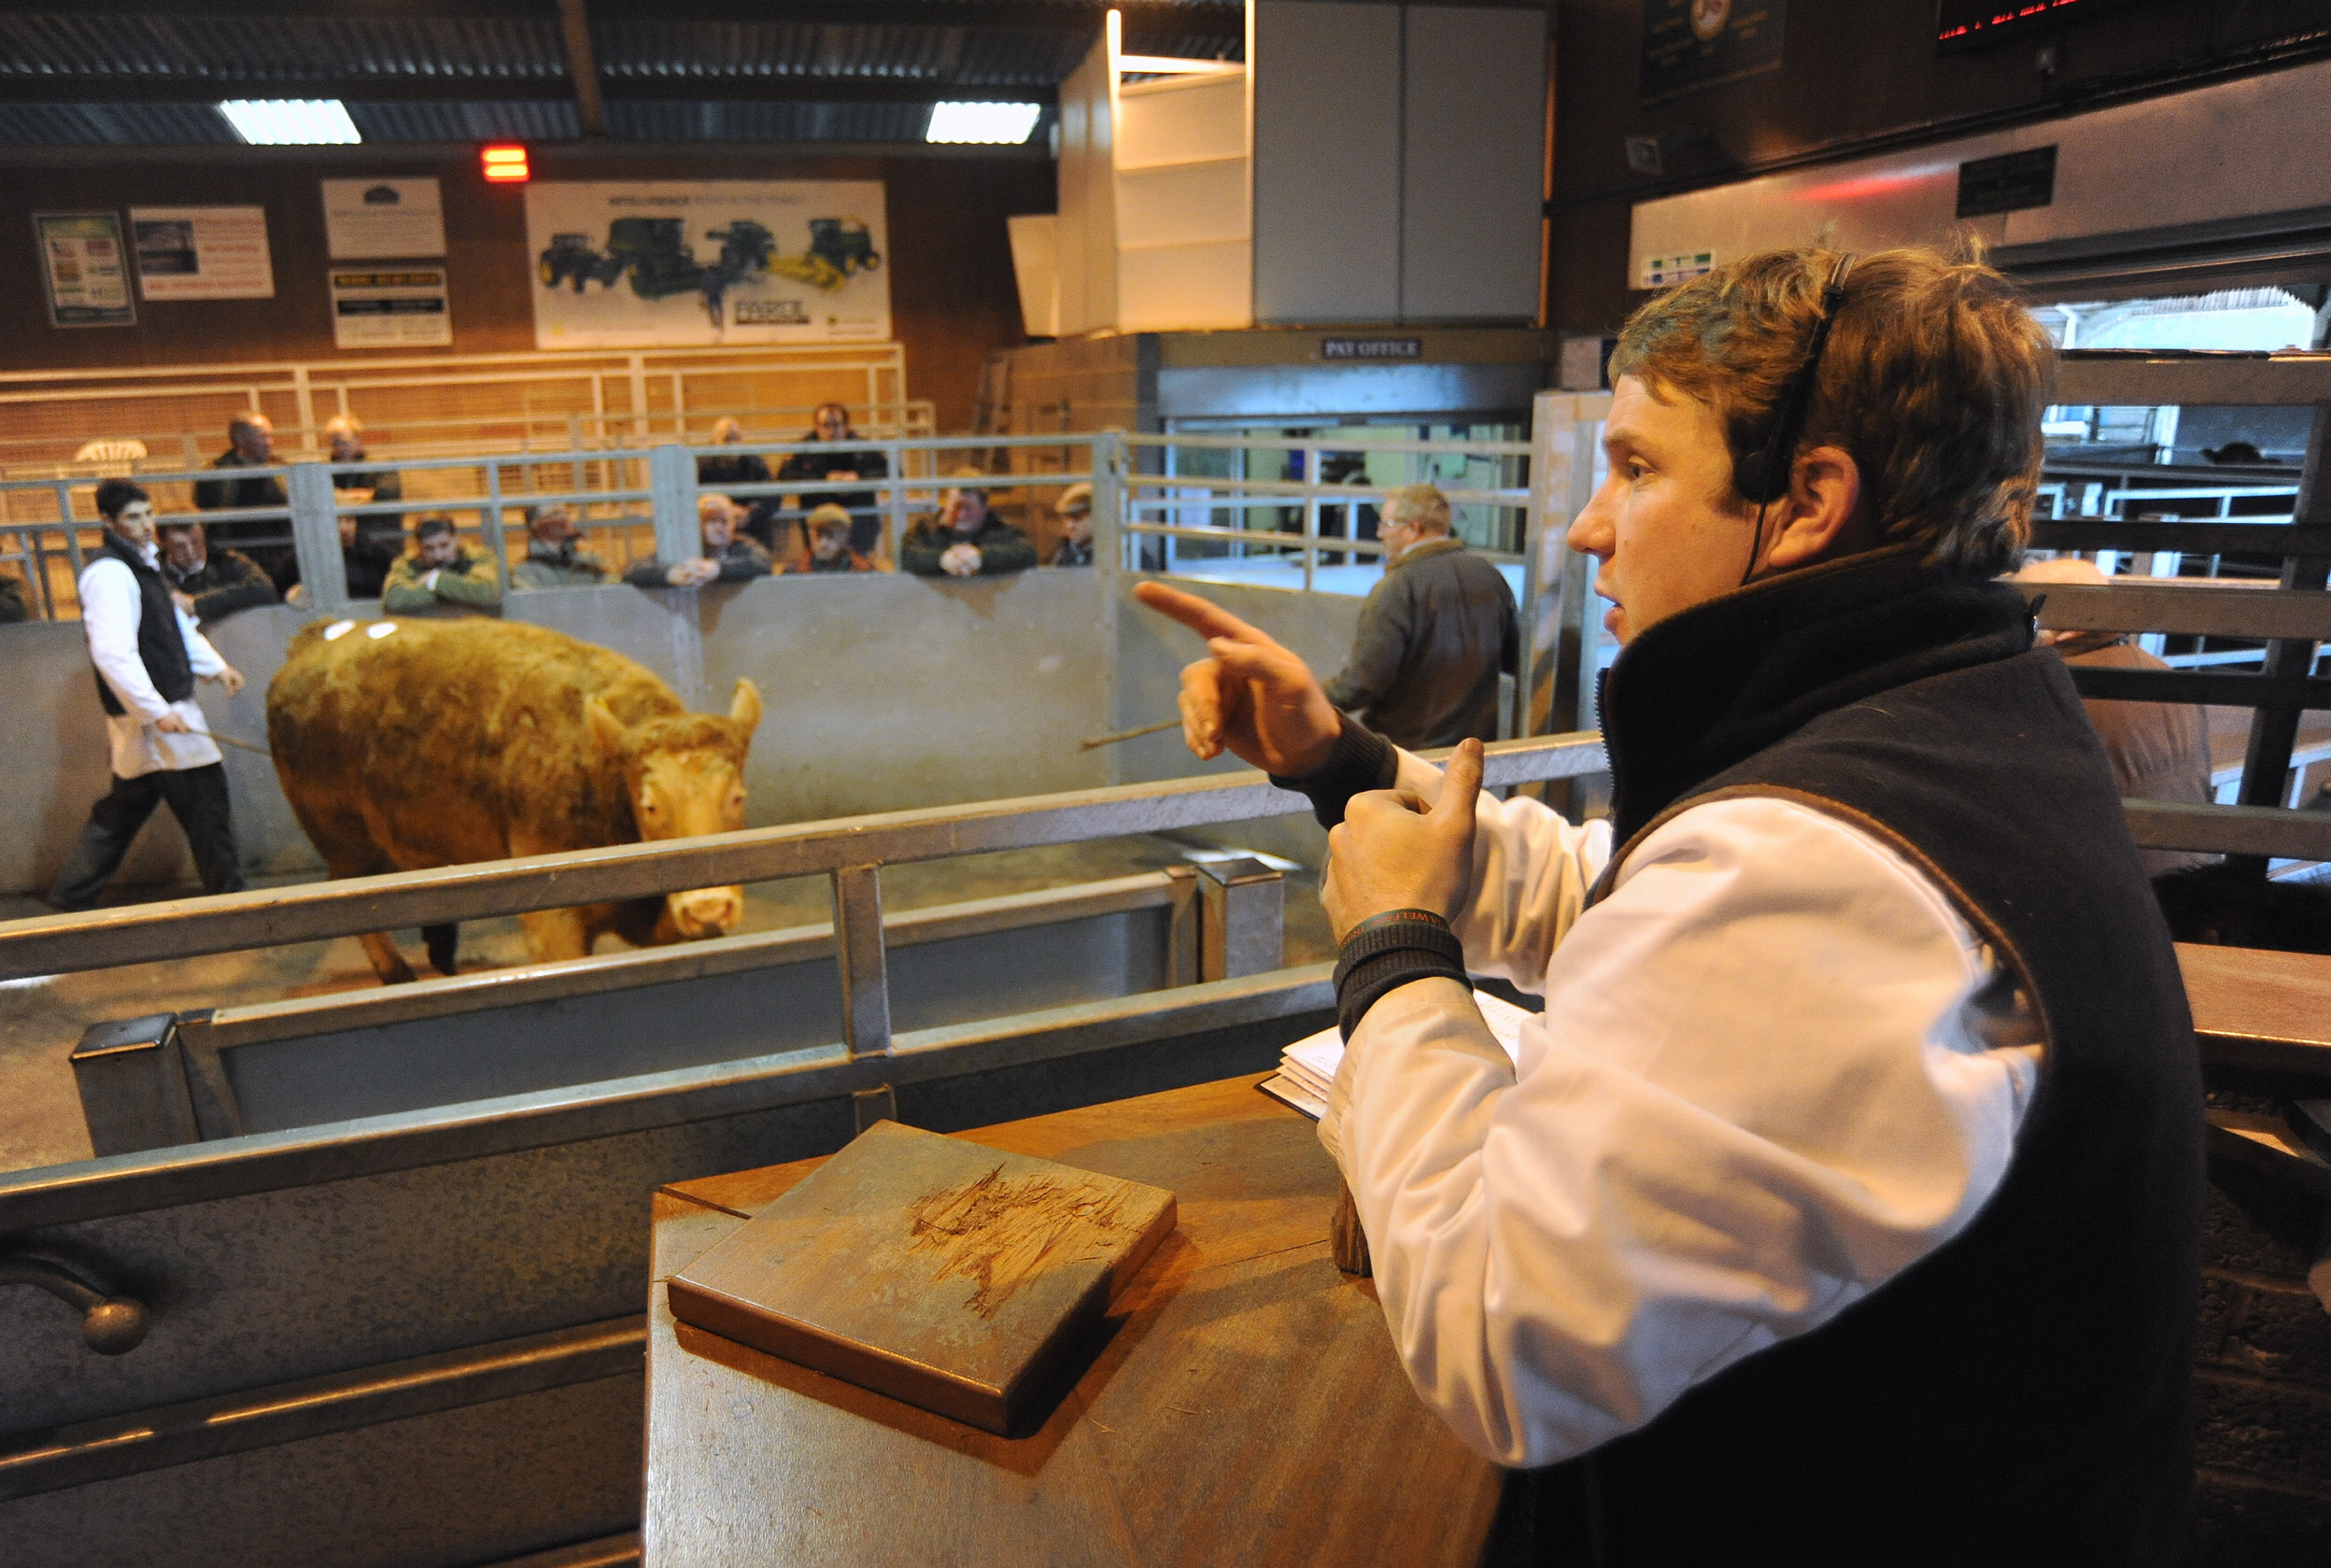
<point x="671" y="264"/>
<point x="1691" y="44"/>
<point x="82" y="262"/>
<point x="389" y="307"/>
<point x="202" y="253"/>
<point x="383" y="219"/>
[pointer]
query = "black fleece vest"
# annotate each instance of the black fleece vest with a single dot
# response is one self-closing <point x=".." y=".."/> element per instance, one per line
<point x="2019" y="1395"/>
<point x="159" y="647"/>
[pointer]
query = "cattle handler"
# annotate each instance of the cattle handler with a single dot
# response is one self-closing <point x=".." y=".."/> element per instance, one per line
<point x="1844" y="1204"/>
<point x="147" y="656"/>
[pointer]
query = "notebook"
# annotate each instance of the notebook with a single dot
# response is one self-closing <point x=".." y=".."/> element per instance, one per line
<point x="1307" y="1070"/>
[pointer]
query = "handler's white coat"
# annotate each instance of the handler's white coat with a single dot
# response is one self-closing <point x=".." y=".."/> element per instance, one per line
<point x="1775" y="1068"/>
<point x="110" y="611"/>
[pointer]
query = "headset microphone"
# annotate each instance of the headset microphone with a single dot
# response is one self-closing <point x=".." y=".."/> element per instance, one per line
<point x="1764" y="478"/>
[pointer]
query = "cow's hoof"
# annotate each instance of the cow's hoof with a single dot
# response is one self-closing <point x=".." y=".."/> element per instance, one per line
<point x="443" y="943"/>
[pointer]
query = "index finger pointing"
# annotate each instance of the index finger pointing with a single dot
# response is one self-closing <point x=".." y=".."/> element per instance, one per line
<point x="1208" y="620"/>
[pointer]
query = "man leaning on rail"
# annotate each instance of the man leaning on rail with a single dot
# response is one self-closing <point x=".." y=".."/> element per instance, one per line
<point x="1844" y="1205"/>
<point x="148" y="656"/>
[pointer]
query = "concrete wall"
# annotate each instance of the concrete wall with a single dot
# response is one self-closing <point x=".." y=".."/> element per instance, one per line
<point x="1151" y="652"/>
<point x="879" y="693"/>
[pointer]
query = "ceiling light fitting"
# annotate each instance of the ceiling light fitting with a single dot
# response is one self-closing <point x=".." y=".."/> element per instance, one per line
<point x="993" y="124"/>
<point x="291" y="121"/>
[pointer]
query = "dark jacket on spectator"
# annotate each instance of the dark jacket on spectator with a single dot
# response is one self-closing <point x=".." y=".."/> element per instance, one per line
<point x="815" y="466"/>
<point x="12" y="605"/>
<point x="379" y="535"/>
<point x="279" y="561"/>
<point x="741" y="559"/>
<point x="1069" y="553"/>
<point x="1433" y="636"/>
<point x="1001" y="546"/>
<point x="805" y="560"/>
<point x="229" y="581"/>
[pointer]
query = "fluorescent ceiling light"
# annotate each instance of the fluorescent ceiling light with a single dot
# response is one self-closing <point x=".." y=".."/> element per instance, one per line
<point x="1007" y="124"/>
<point x="291" y="121"/>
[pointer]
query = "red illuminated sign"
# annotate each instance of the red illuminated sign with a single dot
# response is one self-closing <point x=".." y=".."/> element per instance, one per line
<point x="504" y="165"/>
<point x="1970" y="23"/>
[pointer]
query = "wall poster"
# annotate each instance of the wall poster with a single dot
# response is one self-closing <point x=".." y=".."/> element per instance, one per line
<point x="202" y="253"/>
<point x="669" y="264"/>
<point x="1691" y="44"/>
<point x="390" y="307"/>
<point x="88" y="276"/>
<point x="383" y="219"/>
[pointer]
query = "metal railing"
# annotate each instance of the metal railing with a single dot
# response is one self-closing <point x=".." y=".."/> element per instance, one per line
<point x="849" y="852"/>
<point x="618" y="488"/>
<point x="1160" y="488"/>
<point x="563" y="398"/>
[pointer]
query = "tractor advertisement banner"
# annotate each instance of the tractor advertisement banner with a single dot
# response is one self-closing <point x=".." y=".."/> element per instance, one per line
<point x="683" y="265"/>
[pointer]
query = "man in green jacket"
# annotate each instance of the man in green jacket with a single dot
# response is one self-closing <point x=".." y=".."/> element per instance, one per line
<point x="965" y="539"/>
<point x="444" y="571"/>
<point x="1433" y="634"/>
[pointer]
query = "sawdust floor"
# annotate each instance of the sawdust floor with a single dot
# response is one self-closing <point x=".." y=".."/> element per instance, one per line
<point x="41" y="1020"/>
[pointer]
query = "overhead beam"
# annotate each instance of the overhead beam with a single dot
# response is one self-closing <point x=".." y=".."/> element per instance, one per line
<point x="581" y="67"/>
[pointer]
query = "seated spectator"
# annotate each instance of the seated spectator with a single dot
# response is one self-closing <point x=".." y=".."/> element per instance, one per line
<point x="252" y="438"/>
<point x="443" y="570"/>
<point x="207" y="586"/>
<point x="1074" y="511"/>
<point x="552" y="560"/>
<point x="2159" y="751"/>
<point x="831" y="424"/>
<point x="829" y="544"/>
<point x="744" y="468"/>
<point x="726" y="558"/>
<point x="965" y="539"/>
<point x="12" y="602"/>
<point x="369" y="544"/>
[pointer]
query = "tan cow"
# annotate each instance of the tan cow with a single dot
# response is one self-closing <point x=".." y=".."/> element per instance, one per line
<point x="404" y="745"/>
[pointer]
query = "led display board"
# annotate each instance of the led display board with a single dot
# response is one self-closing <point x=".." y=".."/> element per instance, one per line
<point x="1972" y="23"/>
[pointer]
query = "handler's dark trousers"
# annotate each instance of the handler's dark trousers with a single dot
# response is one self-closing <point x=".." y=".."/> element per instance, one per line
<point x="198" y="798"/>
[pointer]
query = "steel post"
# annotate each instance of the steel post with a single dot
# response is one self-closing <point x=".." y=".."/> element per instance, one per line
<point x="672" y="491"/>
<point x="132" y="1076"/>
<point x="316" y="536"/>
<point x="1244" y="919"/>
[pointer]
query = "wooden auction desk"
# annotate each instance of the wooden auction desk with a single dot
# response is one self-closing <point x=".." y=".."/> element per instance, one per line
<point x="1246" y="1408"/>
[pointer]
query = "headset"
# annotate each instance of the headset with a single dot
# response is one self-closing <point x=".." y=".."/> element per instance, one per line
<point x="1764" y="478"/>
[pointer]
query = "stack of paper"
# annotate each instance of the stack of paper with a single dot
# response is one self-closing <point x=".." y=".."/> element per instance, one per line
<point x="1307" y="1070"/>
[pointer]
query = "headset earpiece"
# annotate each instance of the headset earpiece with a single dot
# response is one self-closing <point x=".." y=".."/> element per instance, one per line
<point x="1764" y="477"/>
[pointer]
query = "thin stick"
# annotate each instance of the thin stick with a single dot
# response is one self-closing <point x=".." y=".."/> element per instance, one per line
<point x="1128" y="734"/>
<point x="240" y="745"/>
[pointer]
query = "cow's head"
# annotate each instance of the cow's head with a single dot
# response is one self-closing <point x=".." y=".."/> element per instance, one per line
<point x="686" y="776"/>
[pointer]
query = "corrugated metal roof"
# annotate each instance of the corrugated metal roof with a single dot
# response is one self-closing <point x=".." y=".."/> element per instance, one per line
<point x="650" y="120"/>
<point x="444" y="70"/>
<point x="760" y="52"/>
<point x="539" y="120"/>
<point x="250" y="51"/>
<point x="114" y="125"/>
